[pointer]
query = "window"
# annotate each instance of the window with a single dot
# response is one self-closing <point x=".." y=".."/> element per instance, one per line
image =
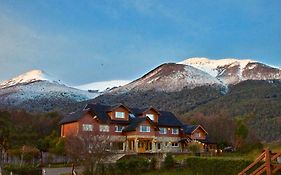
<point x="119" y="128"/>
<point x="158" y="145"/>
<point x="163" y="130"/>
<point x="144" y="128"/>
<point x="104" y="128"/>
<point x="175" y="131"/>
<point x="150" y="116"/>
<point x="175" y="144"/>
<point x="87" y="127"/>
<point x="119" y="115"/>
<point x="197" y="135"/>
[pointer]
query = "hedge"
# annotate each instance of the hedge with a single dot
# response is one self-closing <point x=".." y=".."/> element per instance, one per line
<point x="22" y="170"/>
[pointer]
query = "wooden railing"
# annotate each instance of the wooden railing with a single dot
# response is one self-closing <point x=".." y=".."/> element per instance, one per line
<point x="271" y="164"/>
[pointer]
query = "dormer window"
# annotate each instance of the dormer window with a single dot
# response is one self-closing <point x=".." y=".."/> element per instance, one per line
<point x="150" y="116"/>
<point x="119" y="114"/>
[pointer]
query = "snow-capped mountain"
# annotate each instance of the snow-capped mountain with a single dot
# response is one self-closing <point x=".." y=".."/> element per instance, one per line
<point x="28" y="77"/>
<point x="103" y="85"/>
<point x="170" y="77"/>
<point x="36" y="89"/>
<point x="233" y="71"/>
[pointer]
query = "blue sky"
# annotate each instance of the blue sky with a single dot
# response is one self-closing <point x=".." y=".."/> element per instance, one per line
<point x="87" y="41"/>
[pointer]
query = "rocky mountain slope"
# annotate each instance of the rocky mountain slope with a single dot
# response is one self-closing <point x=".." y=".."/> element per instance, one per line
<point x="170" y="77"/>
<point x="37" y="91"/>
<point x="233" y="71"/>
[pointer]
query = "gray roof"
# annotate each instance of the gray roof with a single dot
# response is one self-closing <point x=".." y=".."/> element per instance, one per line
<point x="188" y="129"/>
<point x="100" y="110"/>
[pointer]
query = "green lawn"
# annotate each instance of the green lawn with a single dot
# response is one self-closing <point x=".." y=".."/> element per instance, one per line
<point x="169" y="172"/>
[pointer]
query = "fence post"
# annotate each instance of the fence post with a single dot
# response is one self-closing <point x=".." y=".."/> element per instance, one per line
<point x="268" y="162"/>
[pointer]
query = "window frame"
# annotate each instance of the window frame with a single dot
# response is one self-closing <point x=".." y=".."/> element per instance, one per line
<point x="86" y="129"/>
<point x="141" y="127"/>
<point x="150" y="115"/>
<point x="165" y="130"/>
<point x="105" y="126"/>
<point x="116" y="126"/>
<point x="175" y="133"/>
<point x="120" y="117"/>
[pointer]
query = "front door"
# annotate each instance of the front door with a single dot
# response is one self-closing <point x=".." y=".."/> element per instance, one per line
<point x="144" y="145"/>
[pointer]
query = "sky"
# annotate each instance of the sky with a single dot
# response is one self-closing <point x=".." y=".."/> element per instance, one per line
<point x="98" y="40"/>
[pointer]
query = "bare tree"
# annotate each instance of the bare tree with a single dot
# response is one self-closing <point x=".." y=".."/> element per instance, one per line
<point x="90" y="150"/>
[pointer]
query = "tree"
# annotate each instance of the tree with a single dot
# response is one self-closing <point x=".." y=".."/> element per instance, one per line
<point x="89" y="149"/>
<point x="5" y="129"/>
<point x="241" y="133"/>
<point x="194" y="147"/>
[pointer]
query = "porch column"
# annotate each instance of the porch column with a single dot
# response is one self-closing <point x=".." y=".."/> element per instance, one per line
<point x="153" y="145"/>
<point x="136" y="144"/>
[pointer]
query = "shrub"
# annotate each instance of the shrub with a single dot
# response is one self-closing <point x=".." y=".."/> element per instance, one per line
<point x="132" y="166"/>
<point x="169" y="162"/>
<point x="194" y="147"/>
<point x="22" y="170"/>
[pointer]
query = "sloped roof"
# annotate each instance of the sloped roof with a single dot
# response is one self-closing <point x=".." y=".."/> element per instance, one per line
<point x="188" y="129"/>
<point x="101" y="111"/>
<point x="73" y="117"/>
<point x="135" y="122"/>
<point x="168" y="119"/>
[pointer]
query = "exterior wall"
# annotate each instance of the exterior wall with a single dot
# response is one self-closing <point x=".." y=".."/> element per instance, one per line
<point x="120" y="109"/>
<point x="166" y="144"/>
<point x="69" y="129"/>
<point x="88" y="119"/>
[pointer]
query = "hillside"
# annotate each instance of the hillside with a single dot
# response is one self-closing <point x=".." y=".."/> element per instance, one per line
<point x="260" y="101"/>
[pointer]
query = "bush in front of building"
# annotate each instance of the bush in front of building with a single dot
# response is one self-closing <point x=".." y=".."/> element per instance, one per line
<point x="169" y="162"/>
<point x="133" y="166"/>
<point x="22" y="169"/>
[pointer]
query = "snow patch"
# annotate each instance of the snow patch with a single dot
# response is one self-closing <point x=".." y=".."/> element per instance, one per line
<point x="102" y="86"/>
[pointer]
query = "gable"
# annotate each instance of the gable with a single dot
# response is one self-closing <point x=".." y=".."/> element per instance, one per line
<point x="151" y="111"/>
<point x="114" y="114"/>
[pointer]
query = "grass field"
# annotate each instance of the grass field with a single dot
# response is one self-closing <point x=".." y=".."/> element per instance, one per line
<point x="169" y="172"/>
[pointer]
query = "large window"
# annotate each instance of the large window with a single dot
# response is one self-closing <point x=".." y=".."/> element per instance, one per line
<point x="150" y="116"/>
<point x="119" y="128"/>
<point x="119" y="114"/>
<point x="163" y="130"/>
<point x="144" y="128"/>
<point x="104" y="128"/>
<point x="175" y="130"/>
<point x="87" y="127"/>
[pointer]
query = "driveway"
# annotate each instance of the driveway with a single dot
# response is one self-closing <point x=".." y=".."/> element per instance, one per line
<point x="57" y="171"/>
